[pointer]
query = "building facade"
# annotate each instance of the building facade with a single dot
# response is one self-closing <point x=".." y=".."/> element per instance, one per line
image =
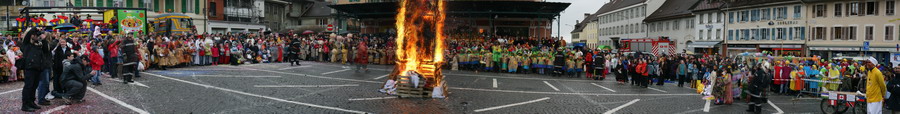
<point x="470" y="19"/>
<point x="843" y="27"/>
<point x="586" y="31"/>
<point x="766" y="25"/>
<point x="673" y="20"/>
<point x="623" y="19"/>
<point x="709" y="27"/>
<point x="236" y="16"/>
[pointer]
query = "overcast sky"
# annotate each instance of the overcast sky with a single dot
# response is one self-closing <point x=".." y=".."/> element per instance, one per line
<point x="575" y="12"/>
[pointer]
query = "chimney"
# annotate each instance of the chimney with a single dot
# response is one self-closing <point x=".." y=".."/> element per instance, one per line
<point x="576" y="21"/>
<point x="586" y="15"/>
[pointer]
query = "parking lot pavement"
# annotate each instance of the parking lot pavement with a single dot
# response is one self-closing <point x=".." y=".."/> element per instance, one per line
<point x="335" y="88"/>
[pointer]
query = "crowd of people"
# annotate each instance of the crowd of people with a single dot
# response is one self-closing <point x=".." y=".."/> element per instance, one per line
<point x="751" y="77"/>
<point x="70" y="62"/>
<point x="545" y="55"/>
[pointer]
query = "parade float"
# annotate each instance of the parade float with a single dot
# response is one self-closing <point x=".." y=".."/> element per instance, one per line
<point x="82" y="20"/>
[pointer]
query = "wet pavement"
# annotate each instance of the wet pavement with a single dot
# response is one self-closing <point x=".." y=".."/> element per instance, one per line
<point x="331" y="88"/>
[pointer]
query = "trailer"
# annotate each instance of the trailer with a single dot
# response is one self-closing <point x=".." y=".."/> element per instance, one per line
<point x="656" y="46"/>
<point x="117" y="20"/>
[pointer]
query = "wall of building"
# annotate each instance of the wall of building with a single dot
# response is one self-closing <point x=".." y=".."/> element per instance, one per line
<point x="837" y="31"/>
<point x="711" y="24"/>
<point x="680" y="29"/>
<point x="626" y="22"/>
<point x="217" y="9"/>
<point x="589" y="35"/>
<point x="881" y="35"/>
<point x="743" y="28"/>
<point x="623" y="23"/>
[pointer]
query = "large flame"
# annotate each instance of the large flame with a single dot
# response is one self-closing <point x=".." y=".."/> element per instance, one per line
<point x="420" y="37"/>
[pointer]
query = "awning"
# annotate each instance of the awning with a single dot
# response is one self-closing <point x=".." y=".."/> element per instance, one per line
<point x="781" y="46"/>
<point x="474" y="8"/>
<point x="852" y="49"/>
<point x="741" y="48"/>
<point x="603" y="47"/>
<point x="704" y="44"/>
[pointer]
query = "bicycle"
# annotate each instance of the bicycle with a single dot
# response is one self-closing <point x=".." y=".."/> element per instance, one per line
<point x="839" y="102"/>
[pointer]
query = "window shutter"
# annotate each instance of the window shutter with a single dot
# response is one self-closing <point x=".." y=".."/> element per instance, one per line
<point x="128" y="3"/>
<point x="184" y="6"/>
<point x="197" y="7"/>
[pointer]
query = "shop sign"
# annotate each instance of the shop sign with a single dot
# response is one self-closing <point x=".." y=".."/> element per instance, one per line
<point x="895" y="58"/>
<point x="783" y="22"/>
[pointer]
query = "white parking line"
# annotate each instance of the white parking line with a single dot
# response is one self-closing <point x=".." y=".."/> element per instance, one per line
<point x="314" y="76"/>
<point x="135" y="83"/>
<point x="776" y="107"/>
<point x="510" y="105"/>
<point x="565" y="93"/>
<point x="706" y="106"/>
<point x="603" y="87"/>
<point x="55" y="109"/>
<point x="235" y="76"/>
<point x="286" y="68"/>
<point x="470" y="89"/>
<point x="379" y="77"/>
<point x="620" y="107"/>
<point x="495" y="83"/>
<point x="656" y="89"/>
<point x="345" y="85"/>
<point x="117" y="101"/>
<point x="11" y="91"/>
<point x="551" y="86"/>
<point x="335" y="71"/>
<point x="260" y="96"/>
<point x="507" y="77"/>
<point x="376" y="98"/>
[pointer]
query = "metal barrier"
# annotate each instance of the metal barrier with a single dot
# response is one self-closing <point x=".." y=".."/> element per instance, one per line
<point x="808" y="87"/>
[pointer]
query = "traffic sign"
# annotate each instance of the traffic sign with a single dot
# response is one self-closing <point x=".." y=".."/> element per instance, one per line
<point x="865" y="45"/>
<point x="330" y="27"/>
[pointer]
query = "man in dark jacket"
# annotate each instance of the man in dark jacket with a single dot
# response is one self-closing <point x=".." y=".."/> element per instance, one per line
<point x="758" y="84"/>
<point x="74" y="78"/>
<point x="893" y="86"/>
<point x="559" y="62"/>
<point x="129" y="52"/>
<point x="36" y="62"/>
<point x="59" y="54"/>
<point x="294" y="54"/>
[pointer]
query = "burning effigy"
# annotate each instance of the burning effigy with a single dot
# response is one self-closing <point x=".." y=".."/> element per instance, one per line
<point x="420" y="46"/>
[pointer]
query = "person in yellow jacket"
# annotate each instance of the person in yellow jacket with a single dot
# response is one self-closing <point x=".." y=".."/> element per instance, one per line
<point x="875" y="89"/>
<point x="834" y="75"/>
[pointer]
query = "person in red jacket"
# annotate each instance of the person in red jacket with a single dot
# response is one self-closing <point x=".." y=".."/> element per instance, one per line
<point x="588" y="64"/>
<point x="96" y="63"/>
<point x="362" y="56"/>
<point x="215" y="55"/>
<point x="644" y="75"/>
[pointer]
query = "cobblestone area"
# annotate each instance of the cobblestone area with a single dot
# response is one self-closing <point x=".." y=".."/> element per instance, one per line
<point x="262" y="88"/>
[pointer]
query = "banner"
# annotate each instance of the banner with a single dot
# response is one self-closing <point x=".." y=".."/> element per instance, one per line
<point x="895" y="58"/>
<point x="131" y="20"/>
<point x="108" y="15"/>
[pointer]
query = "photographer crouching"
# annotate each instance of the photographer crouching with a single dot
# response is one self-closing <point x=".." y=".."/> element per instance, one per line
<point x="74" y="78"/>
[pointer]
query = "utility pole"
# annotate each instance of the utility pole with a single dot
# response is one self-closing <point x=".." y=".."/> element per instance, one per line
<point x="7" y="14"/>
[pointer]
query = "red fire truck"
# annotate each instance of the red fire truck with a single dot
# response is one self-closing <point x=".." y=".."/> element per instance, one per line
<point x="655" y="46"/>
